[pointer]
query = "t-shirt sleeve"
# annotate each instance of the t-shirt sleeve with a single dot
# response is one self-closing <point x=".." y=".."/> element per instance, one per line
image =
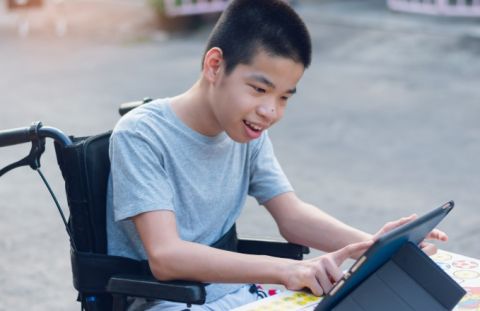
<point x="138" y="178"/>
<point x="267" y="179"/>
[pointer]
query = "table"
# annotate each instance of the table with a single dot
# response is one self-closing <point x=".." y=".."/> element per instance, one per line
<point x="464" y="270"/>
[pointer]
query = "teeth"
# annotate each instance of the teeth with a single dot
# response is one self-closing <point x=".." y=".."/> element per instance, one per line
<point x="255" y="127"/>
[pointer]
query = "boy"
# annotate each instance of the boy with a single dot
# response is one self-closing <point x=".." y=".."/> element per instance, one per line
<point x="183" y="166"/>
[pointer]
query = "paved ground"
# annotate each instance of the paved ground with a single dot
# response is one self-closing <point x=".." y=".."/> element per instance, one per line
<point x="385" y="123"/>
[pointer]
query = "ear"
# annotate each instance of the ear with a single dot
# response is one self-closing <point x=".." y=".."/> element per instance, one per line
<point x="212" y="64"/>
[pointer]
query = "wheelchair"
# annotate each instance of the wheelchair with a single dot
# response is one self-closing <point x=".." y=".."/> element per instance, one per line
<point x="105" y="282"/>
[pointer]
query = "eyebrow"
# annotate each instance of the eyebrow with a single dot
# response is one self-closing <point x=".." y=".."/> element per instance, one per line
<point x="262" y="79"/>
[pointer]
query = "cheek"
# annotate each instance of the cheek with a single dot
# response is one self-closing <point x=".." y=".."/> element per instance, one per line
<point x="232" y="97"/>
<point x="236" y="101"/>
<point x="242" y="104"/>
<point x="280" y="113"/>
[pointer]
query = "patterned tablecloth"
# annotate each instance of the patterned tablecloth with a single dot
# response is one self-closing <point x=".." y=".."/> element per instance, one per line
<point x="464" y="270"/>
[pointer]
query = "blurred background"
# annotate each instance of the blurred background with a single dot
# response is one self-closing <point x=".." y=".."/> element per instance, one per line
<point x="385" y="122"/>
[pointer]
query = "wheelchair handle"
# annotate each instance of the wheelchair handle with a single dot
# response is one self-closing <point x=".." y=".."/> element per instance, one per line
<point x="126" y="107"/>
<point x="14" y="136"/>
<point x="34" y="132"/>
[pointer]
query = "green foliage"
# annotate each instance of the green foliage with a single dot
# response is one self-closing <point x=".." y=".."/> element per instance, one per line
<point x="158" y="6"/>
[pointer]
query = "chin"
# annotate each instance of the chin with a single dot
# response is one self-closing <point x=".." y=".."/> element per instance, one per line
<point x="239" y="138"/>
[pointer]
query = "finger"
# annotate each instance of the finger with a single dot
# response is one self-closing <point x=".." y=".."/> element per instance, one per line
<point x="436" y="234"/>
<point x="324" y="280"/>
<point x="399" y="222"/>
<point x="342" y="254"/>
<point x="316" y="288"/>
<point x="389" y="226"/>
<point x="333" y="271"/>
<point x="429" y="249"/>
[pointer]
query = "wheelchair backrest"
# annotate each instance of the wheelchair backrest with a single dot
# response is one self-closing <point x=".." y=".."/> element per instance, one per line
<point x="85" y="166"/>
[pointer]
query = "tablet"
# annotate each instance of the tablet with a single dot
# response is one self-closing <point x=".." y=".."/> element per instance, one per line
<point x="381" y="251"/>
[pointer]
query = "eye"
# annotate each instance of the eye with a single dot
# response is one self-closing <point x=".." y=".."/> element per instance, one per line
<point x="258" y="89"/>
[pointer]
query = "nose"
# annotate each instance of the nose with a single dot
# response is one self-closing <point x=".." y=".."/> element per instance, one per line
<point x="268" y="110"/>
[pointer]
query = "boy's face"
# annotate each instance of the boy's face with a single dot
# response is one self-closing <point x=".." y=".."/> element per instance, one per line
<point x="253" y="97"/>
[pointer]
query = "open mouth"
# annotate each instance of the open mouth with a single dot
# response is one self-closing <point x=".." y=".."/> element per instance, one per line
<point x="252" y="126"/>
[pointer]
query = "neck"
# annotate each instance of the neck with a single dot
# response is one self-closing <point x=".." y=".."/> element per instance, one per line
<point x="195" y="110"/>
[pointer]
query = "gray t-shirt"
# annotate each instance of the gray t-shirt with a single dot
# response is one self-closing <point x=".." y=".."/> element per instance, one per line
<point x="159" y="163"/>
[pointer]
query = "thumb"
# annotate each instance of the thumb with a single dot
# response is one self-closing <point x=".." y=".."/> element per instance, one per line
<point x="348" y="251"/>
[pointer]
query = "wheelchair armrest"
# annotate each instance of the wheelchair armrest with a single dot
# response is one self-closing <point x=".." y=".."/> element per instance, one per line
<point x="149" y="287"/>
<point x="272" y="248"/>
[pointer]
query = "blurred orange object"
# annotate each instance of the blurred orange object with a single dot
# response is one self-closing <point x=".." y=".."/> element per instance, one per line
<point x="23" y="4"/>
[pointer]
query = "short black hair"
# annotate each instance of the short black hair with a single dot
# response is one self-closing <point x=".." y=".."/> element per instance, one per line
<point x="248" y="26"/>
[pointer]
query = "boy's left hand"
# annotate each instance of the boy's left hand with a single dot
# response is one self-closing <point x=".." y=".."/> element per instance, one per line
<point x="428" y="248"/>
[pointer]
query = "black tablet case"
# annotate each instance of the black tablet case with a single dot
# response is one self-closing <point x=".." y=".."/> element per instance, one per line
<point x="410" y="280"/>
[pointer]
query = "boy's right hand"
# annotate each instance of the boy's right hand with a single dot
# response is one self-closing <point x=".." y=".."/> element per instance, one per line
<point x="320" y="273"/>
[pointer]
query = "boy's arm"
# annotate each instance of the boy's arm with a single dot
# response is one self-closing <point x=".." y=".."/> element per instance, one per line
<point x="171" y="258"/>
<point x="305" y="224"/>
